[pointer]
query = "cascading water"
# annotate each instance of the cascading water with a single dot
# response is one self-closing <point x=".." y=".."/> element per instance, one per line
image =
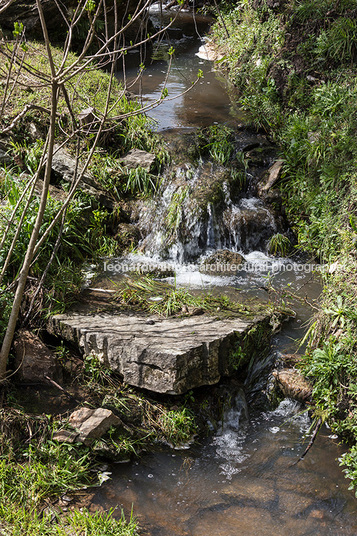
<point x="181" y="227"/>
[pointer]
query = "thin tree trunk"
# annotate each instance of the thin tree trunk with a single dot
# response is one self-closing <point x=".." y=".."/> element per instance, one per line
<point x="6" y="345"/>
<point x="9" y="335"/>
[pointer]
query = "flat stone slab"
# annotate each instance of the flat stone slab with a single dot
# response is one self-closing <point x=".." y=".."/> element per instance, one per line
<point x="170" y="355"/>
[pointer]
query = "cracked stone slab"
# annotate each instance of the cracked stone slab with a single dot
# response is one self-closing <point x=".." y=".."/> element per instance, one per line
<point x="170" y="355"/>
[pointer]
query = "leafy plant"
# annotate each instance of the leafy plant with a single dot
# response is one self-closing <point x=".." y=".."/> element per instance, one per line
<point x="279" y="245"/>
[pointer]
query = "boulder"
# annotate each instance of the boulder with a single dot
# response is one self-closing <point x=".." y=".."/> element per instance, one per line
<point x="33" y="359"/>
<point x="271" y="177"/>
<point x="222" y="262"/>
<point x="293" y="384"/>
<point x="92" y="423"/>
<point x="164" y="355"/>
<point x="64" y="165"/>
<point x="137" y="158"/>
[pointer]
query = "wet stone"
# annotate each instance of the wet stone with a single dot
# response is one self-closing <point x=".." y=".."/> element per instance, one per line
<point x="222" y="262"/>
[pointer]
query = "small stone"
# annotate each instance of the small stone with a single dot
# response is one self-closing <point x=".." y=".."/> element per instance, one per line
<point x="272" y="177"/>
<point x="65" y="436"/>
<point x="79" y="416"/>
<point x="86" y="116"/>
<point x="293" y="384"/>
<point x="93" y="423"/>
<point x="138" y="158"/>
<point x="35" y="132"/>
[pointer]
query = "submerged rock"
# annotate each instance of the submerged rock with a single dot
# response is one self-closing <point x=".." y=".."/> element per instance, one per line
<point x="222" y="262"/>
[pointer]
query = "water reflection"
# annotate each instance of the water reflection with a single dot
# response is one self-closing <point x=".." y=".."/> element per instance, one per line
<point x="191" y="493"/>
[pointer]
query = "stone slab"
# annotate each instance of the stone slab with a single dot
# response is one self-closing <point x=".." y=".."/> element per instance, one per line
<point x="170" y="355"/>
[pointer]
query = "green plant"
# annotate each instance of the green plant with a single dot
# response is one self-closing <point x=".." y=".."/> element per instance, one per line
<point x="138" y="180"/>
<point x="174" y="213"/>
<point x="279" y="245"/>
<point x="176" y="426"/>
<point x="95" y="370"/>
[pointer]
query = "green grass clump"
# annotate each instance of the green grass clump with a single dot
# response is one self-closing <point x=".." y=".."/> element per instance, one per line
<point x="215" y="142"/>
<point x="279" y="245"/>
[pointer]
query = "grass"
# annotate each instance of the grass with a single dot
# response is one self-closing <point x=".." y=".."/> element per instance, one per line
<point x="279" y="245"/>
<point x="89" y="231"/>
<point x="35" y="471"/>
<point x="162" y="299"/>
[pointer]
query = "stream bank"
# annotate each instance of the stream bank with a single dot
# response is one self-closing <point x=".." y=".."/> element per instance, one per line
<point x="294" y="67"/>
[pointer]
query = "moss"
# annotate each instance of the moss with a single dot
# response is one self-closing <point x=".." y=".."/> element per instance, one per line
<point x="248" y="347"/>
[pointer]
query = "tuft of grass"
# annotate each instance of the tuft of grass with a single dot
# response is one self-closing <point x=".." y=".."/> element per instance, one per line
<point x="279" y="245"/>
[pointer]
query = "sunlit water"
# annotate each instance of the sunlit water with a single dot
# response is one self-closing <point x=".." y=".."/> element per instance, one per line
<point x="182" y="109"/>
<point x="243" y="480"/>
<point x="240" y="482"/>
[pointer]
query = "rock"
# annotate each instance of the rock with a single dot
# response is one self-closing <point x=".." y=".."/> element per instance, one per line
<point x="64" y="165"/>
<point x="127" y="236"/>
<point x="33" y="359"/>
<point x="55" y="193"/>
<point x="293" y="384"/>
<point x="248" y="225"/>
<point x="86" y="117"/>
<point x="171" y="356"/>
<point x="79" y="416"/>
<point x="4" y="157"/>
<point x="25" y="11"/>
<point x="222" y="262"/>
<point x="35" y="132"/>
<point x="209" y="52"/>
<point x="65" y="436"/>
<point x="92" y="423"/>
<point x="137" y="158"/>
<point x="272" y="176"/>
<point x="260" y="157"/>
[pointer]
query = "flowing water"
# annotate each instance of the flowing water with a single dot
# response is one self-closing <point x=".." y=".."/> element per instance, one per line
<point x="242" y="480"/>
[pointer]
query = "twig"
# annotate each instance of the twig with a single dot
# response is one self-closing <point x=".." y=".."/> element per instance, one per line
<point x="55" y="384"/>
<point x="311" y="442"/>
<point x="22" y="114"/>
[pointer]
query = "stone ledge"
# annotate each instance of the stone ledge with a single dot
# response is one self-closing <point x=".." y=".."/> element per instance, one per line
<point x="171" y="355"/>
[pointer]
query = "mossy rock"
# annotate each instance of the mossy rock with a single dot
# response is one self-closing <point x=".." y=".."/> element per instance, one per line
<point x="127" y="236"/>
<point x="223" y="262"/>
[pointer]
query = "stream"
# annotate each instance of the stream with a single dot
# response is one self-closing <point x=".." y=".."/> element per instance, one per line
<point x="241" y="480"/>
